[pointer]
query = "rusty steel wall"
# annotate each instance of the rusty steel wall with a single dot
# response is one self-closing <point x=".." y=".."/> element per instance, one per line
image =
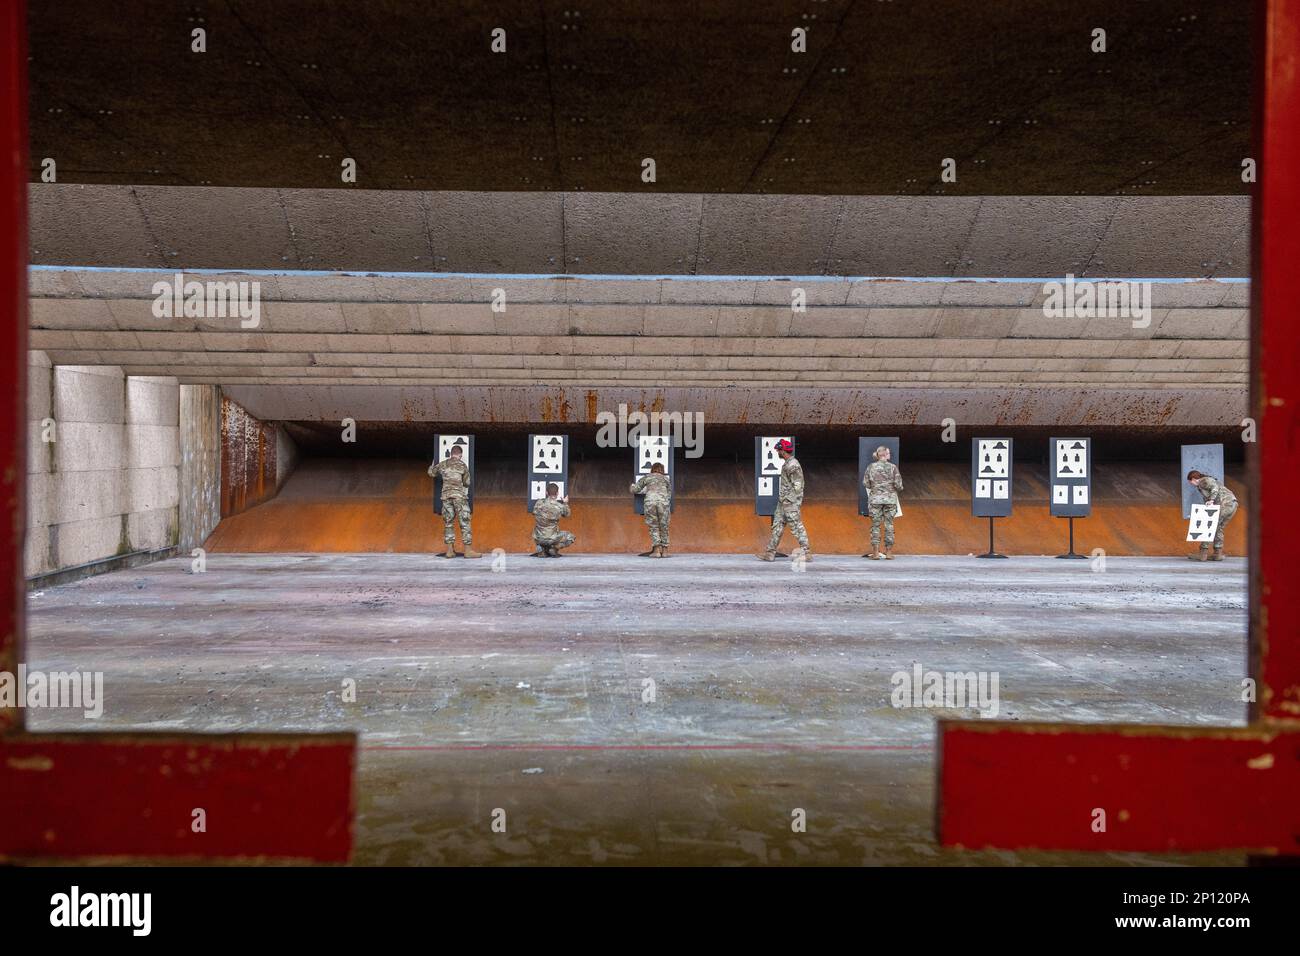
<point x="359" y="505"/>
<point x="249" y="453"/>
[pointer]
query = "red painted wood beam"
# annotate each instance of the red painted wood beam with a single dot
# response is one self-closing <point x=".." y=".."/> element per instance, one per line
<point x="1162" y="789"/>
<point x="1275" y="360"/>
<point x="106" y="795"/>
<point x="13" y="338"/>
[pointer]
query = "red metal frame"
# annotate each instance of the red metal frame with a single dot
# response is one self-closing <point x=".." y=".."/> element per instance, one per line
<point x="1275" y="350"/>
<point x="284" y="796"/>
<point x="1000" y="784"/>
<point x="281" y="796"/>
<point x="1180" y="788"/>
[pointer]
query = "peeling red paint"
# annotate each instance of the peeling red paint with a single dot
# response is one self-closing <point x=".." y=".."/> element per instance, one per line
<point x="1162" y="789"/>
<point x="268" y="795"/>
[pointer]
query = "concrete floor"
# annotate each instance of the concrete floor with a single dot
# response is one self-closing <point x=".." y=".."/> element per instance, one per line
<point x="522" y="689"/>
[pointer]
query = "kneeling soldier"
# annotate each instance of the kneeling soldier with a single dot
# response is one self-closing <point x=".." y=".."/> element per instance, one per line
<point x="547" y="514"/>
<point x="455" y="502"/>
<point x="657" y="507"/>
<point x="1215" y="493"/>
<point x="882" y="482"/>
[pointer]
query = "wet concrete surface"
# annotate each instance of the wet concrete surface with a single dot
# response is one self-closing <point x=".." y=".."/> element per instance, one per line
<point x="521" y="685"/>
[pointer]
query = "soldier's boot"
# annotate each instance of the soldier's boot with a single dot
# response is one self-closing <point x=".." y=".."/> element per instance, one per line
<point x="1202" y="555"/>
<point x="889" y="552"/>
<point x="471" y="553"/>
<point x="657" y="551"/>
<point x="767" y="556"/>
<point x="1218" y="555"/>
<point x="663" y="550"/>
<point x="874" y="555"/>
<point x="451" y="551"/>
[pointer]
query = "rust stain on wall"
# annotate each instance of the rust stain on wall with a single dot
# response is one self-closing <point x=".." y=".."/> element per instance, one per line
<point x="248" y="459"/>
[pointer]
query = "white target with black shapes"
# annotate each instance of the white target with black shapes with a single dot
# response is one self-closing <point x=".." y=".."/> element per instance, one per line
<point x="548" y="461"/>
<point x="991" y="477"/>
<point x="443" y="444"/>
<point x="1070" y="477"/>
<point x="652" y="450"/>
<point x="767" y="472"/>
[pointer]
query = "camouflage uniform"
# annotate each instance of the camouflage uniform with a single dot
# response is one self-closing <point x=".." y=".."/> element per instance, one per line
<point x="788" y="505"/>
<point x="882" y="482"/>
<point x="455" y="499"/>
<point x="1217" y="493"/>
<point x="547" y="513"/>
<point x="657" y="490"/>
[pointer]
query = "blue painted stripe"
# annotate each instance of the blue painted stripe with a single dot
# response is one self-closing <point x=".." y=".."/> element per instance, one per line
<point x="309" y="273"/>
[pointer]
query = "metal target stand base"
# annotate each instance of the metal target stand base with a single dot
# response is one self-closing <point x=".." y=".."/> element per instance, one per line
<point x="1071" y="553"/>
<point x="991" y="553"/>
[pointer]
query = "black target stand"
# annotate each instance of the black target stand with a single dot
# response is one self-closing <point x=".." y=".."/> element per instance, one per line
<point x="1071" y="553"/>
<point x="991" y="552"/>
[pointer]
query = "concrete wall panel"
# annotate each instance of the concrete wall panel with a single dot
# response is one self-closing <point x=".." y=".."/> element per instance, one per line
<point x="107" y="485"/>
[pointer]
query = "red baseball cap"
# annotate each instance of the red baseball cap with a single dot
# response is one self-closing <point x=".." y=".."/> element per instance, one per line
<point x="785" y="445"/>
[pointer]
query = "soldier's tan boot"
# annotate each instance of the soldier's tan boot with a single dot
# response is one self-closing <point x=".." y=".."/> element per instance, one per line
<point x="889" y="552"/>
<point x="471" y="553"/>
<point x="1199" y="556"/>
<point x="657" y="551"/>
<point x="1218" y="555"/>
<point x="767" y="556"/>
<point x="874" y="555"/>
<point x="451" y="551"/>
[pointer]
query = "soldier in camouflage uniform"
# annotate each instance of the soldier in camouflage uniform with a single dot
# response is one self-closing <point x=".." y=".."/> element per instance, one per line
<point x="882" y="482"/>
<point x="657" y="507"/>
<point x="547" y="514"/>
<point x="1215" y="493"/>
<point x="789" y="503"/>
<point x="455" y="502"/>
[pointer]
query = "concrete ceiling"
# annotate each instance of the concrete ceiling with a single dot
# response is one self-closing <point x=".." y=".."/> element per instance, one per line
<point x="605" y="233"/>
<point x="646" y="333"/>
<point x="522" y="171"/>
<point x="709" y="89"/>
